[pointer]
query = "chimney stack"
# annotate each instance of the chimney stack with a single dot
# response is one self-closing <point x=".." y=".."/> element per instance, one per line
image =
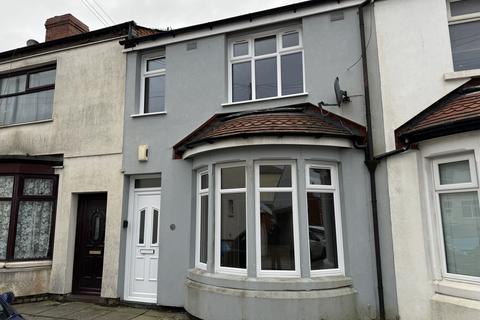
<point x="63" y="26"/>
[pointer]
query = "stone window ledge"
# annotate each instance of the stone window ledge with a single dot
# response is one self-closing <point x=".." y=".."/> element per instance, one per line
<point x="6" y="266"/>
<point x="461" y="74"/>
<point x="268" y="284"/>
<point x="458" y="289"/>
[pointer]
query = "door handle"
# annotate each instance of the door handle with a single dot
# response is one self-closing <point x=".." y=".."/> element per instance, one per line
<point x="147" y="251"/>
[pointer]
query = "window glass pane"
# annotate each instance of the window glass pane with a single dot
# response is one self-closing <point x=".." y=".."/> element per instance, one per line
<point x="266" y="78"/>
<point x="5" y="207"/>
<point x="6" y="186"/>
<point x="43" y="78"/>
<point x="241" y="81"/>
<point x="461" y="231"/>
<point x="321" y="231"/>
<point x="13" y="84"/>
<point x="240" y="49"/>
<point x="155" y="227"/>
<point x="155" y="94"/>
<point x="204" y="181"/>
<point x="465" y="42"/>
<point x="233" y="246"/>
<point x="148" y="183"/>
<point x="275" y="176"/>
<point x="265" y="45"/>
<point x="37" y="187"/>
<point x="320" y="176"/>
<point x="459" y="8"/>
<point x="203" y="228"/>
<point x="26" y="108"/>
<point x="290" y="40"/>
<point x="292" y="73"/>
<point x="276" y="237"/>
<point x="33" y="229"/>
<point x="141" y="233"/>
<point x="156" y="64"/>
<point x="233" y="178"/>
<point x="454" y="172"/>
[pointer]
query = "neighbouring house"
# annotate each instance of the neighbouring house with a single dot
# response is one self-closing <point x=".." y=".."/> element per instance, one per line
<point x="247" y="199"/>
<point x="424" y="60"/>
<point x="61" y="140"/>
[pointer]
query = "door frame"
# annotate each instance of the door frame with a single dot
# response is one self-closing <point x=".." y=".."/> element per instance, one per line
<point x="132" y="192"/>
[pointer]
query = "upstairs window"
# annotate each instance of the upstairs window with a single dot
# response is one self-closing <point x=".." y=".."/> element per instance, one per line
<point x="266" y="65"/>
<point x="464" y="25"/>
<point x="153" y="85"/>
<point x="27" y="96"/>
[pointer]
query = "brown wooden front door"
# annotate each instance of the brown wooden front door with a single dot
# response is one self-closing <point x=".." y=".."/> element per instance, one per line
<point x="89" y="244"/>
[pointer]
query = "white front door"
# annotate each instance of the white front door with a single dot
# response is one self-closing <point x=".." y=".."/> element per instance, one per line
<point x="142" y="247"/>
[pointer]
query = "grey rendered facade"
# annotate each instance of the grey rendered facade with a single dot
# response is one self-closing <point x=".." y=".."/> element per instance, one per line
<point x="197" y="88"/>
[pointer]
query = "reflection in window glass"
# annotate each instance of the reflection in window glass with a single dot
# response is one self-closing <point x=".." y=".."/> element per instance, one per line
<point x="233" y="177"/>
<point x="266" y="78"/>
<point x="290" y="39"/>
<point x="275" y="176"/>
<point x="203" y="228"/>
<point x="233" y="250"/>
<point x="292" y="73"/>
<point x="156" y="64"/>
<point x="265" y="45"/>
<point x="458" y="8"/>
<point x="454" y="172"/>
<point x="43" y="78"/>
<point x="241" y="81"/>
<point x="321" y="230"/>
<point x="461" y="232"/>
<point x="5" y="209"/>
<point x="277" y="242"/>
<point x="155" y="94"/>
<point x="320" y="176"/>
<point x="33" y="229"/>
<point x="240" y="49"/>
<point x="465" y="42"/>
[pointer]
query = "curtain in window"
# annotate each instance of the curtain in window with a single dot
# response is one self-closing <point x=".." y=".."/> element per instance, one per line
<point x="5" y="207"/>
<point x="38" y="187"/>
<point x="33" y="229"/>
<point x="6" y="186"/>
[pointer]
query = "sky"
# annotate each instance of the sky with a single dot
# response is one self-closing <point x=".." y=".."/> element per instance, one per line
<point x="21" y="20"/>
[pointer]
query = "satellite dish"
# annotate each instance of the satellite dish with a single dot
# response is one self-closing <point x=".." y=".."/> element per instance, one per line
<point x="340" y="94"/>
<point x="31" y="42"/>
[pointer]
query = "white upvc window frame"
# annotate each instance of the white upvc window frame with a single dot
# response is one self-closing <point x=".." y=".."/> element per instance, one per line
<point x="250" y="39"/>
<point x="452" y="188"/>
<point x="218" y="197"/>
<point x="461" y="18"/>
<point x="199" y="194"/>
<point x="148" y="74"/>
<point x="296" y="242"/>
<point x="334" y="189"/>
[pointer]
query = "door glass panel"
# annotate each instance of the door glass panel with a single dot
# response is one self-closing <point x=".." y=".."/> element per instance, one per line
<point x="96" y="228"/>
<point x="454" y="172"/>
<point x="6" y="186"/>
<point x="265" y="45"/>
<point x="275" y="176"/>
<point x="266" y="78"/>
<point x="38" y="187"/>
<point x="33" y="229"/>
<point x="233" y="235"/>
<point x="321" y="230"/>
<point x="155" y="227"/>
<point x="233" y="178"/>
<point x="320" y="176"/>
<point x="292" y="73"/>
<point x="276" y="231"/>
<point x="5" y="208"/>
<point x="203" y="228"/>
<point x="241" y="81"/>
<point x="461" y="232"/>
<point x="141" y="233"/>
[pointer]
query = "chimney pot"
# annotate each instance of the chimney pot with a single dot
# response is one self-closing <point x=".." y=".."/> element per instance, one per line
<point x="63" y="26"/>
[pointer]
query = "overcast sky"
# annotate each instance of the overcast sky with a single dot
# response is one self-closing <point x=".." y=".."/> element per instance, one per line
<point x="21" y="20"/>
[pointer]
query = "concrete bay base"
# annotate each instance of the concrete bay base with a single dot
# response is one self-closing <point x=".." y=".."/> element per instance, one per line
<point x="25" y="281"/>
<point x="219" y="303"/>
<point x="453" y="308"/>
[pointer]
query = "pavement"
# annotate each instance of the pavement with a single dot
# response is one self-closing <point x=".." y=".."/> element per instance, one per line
<point x="53" y="310"/>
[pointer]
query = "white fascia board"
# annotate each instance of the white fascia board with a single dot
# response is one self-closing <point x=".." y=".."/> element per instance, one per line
<point x="240" y="25"/>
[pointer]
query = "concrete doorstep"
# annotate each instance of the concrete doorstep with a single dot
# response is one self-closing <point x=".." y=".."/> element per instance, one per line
<point x="50" y="310"/>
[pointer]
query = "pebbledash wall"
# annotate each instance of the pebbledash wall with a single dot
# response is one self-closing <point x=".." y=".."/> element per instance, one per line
<point x="197" y="88"/>
<point x="87" y="128"/>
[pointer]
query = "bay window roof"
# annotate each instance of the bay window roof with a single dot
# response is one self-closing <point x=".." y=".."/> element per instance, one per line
<point x="296" y="120"/>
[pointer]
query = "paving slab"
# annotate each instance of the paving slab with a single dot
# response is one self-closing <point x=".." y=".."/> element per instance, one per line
<point x="36" y="307"/>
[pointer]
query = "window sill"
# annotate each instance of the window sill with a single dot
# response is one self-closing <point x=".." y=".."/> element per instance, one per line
<point x="461" y="74"/>
<point x="25" y="264"/>
<point x="458" y="289"/>
<point x="303" y="94"/>
<point x="141" y="115"/>
<point x="24" y="123"/>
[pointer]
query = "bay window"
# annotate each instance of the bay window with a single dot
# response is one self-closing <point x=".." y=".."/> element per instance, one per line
<point x="457" y="201"/>
<point x="27" y="214"/>
<point x="266" y="65"/>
